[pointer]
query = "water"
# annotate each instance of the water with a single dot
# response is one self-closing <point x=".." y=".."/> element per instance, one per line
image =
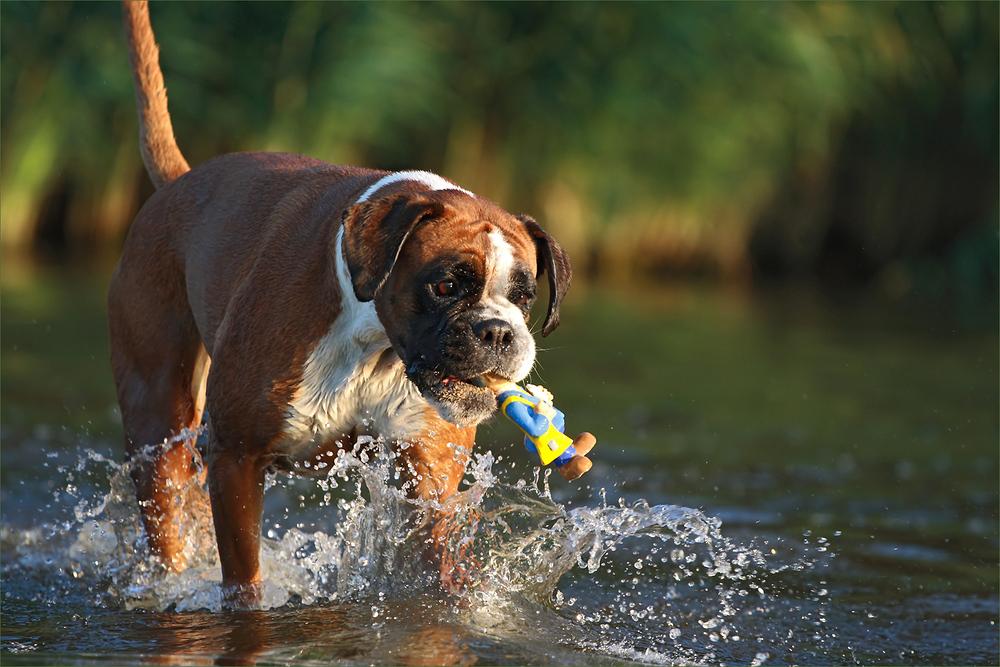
<point x="778" y="480"/>
<point x="655" y="584"/>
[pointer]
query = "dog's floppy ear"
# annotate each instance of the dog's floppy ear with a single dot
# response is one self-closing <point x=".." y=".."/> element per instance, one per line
<point x="374" y="233"/>
<point x="552" y="259"/>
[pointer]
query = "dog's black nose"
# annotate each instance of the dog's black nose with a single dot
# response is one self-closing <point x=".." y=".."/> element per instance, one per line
<point x="494" y="334"/>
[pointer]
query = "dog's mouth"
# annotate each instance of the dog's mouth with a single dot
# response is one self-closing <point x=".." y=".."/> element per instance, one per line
<point x="462" y="400"/>
<point x="491" y="381"/>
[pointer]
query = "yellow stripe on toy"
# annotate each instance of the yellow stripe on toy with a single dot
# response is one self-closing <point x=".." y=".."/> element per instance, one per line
<point x="555" y="444"/>
<point x="550" y="444"/>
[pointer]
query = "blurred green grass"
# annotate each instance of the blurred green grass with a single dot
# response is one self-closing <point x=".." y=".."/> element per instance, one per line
<point x="853" y="141"/>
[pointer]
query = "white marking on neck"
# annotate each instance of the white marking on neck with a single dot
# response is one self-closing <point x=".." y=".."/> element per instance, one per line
<point x="343" y="386"/>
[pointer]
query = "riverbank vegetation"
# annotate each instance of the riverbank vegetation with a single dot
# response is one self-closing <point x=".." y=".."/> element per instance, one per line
<point x="854" y="143"/>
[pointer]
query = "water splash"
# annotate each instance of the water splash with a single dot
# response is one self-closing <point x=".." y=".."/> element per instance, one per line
<point x="655" y="584"/>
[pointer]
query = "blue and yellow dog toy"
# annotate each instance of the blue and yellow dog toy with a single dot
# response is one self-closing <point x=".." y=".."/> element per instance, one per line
<point x="543" y="425"/>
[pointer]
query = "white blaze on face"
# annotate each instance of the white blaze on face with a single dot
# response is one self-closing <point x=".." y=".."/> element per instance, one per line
<point x="500" y="264"/>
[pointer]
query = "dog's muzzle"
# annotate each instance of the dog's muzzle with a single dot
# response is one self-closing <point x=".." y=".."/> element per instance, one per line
<point x="468" y="357"/>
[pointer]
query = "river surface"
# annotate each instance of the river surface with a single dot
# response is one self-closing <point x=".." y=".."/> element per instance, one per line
<point x="781" y="477"/>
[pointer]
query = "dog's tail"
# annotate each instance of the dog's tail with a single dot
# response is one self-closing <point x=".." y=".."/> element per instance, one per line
<point x="160" y="153"/>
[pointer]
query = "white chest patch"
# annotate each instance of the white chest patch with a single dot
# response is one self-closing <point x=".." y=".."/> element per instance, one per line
<point x="353" y="379"/>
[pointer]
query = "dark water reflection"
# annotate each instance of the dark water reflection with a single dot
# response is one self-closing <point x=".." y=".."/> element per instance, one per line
<point x="860" y="437"/>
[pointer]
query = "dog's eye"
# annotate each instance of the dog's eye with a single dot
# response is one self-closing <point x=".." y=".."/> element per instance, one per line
<point x="521" y="297"/>
<point x="445" y="288"/>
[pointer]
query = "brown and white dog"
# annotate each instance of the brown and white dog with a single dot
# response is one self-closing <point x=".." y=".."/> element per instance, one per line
<point x="304" y="305"/>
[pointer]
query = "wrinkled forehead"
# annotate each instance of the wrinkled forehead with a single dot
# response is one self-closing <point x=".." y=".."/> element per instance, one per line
<point x="476" y="231"/>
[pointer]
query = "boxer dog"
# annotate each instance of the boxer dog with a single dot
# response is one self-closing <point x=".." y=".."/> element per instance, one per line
<point x="304" y="305"/>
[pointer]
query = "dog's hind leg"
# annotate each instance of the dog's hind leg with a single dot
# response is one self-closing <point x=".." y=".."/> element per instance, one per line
<point x="160" y="365"/>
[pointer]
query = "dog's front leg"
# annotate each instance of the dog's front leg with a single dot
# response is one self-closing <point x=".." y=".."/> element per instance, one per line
<point x="236" y="488"/>
<point x="432" y="466"/>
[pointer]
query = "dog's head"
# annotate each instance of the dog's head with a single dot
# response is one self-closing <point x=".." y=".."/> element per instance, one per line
<point x="453" y="278"/>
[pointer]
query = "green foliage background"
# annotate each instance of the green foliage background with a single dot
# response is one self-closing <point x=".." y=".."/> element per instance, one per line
<point x="853" y="141"/>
